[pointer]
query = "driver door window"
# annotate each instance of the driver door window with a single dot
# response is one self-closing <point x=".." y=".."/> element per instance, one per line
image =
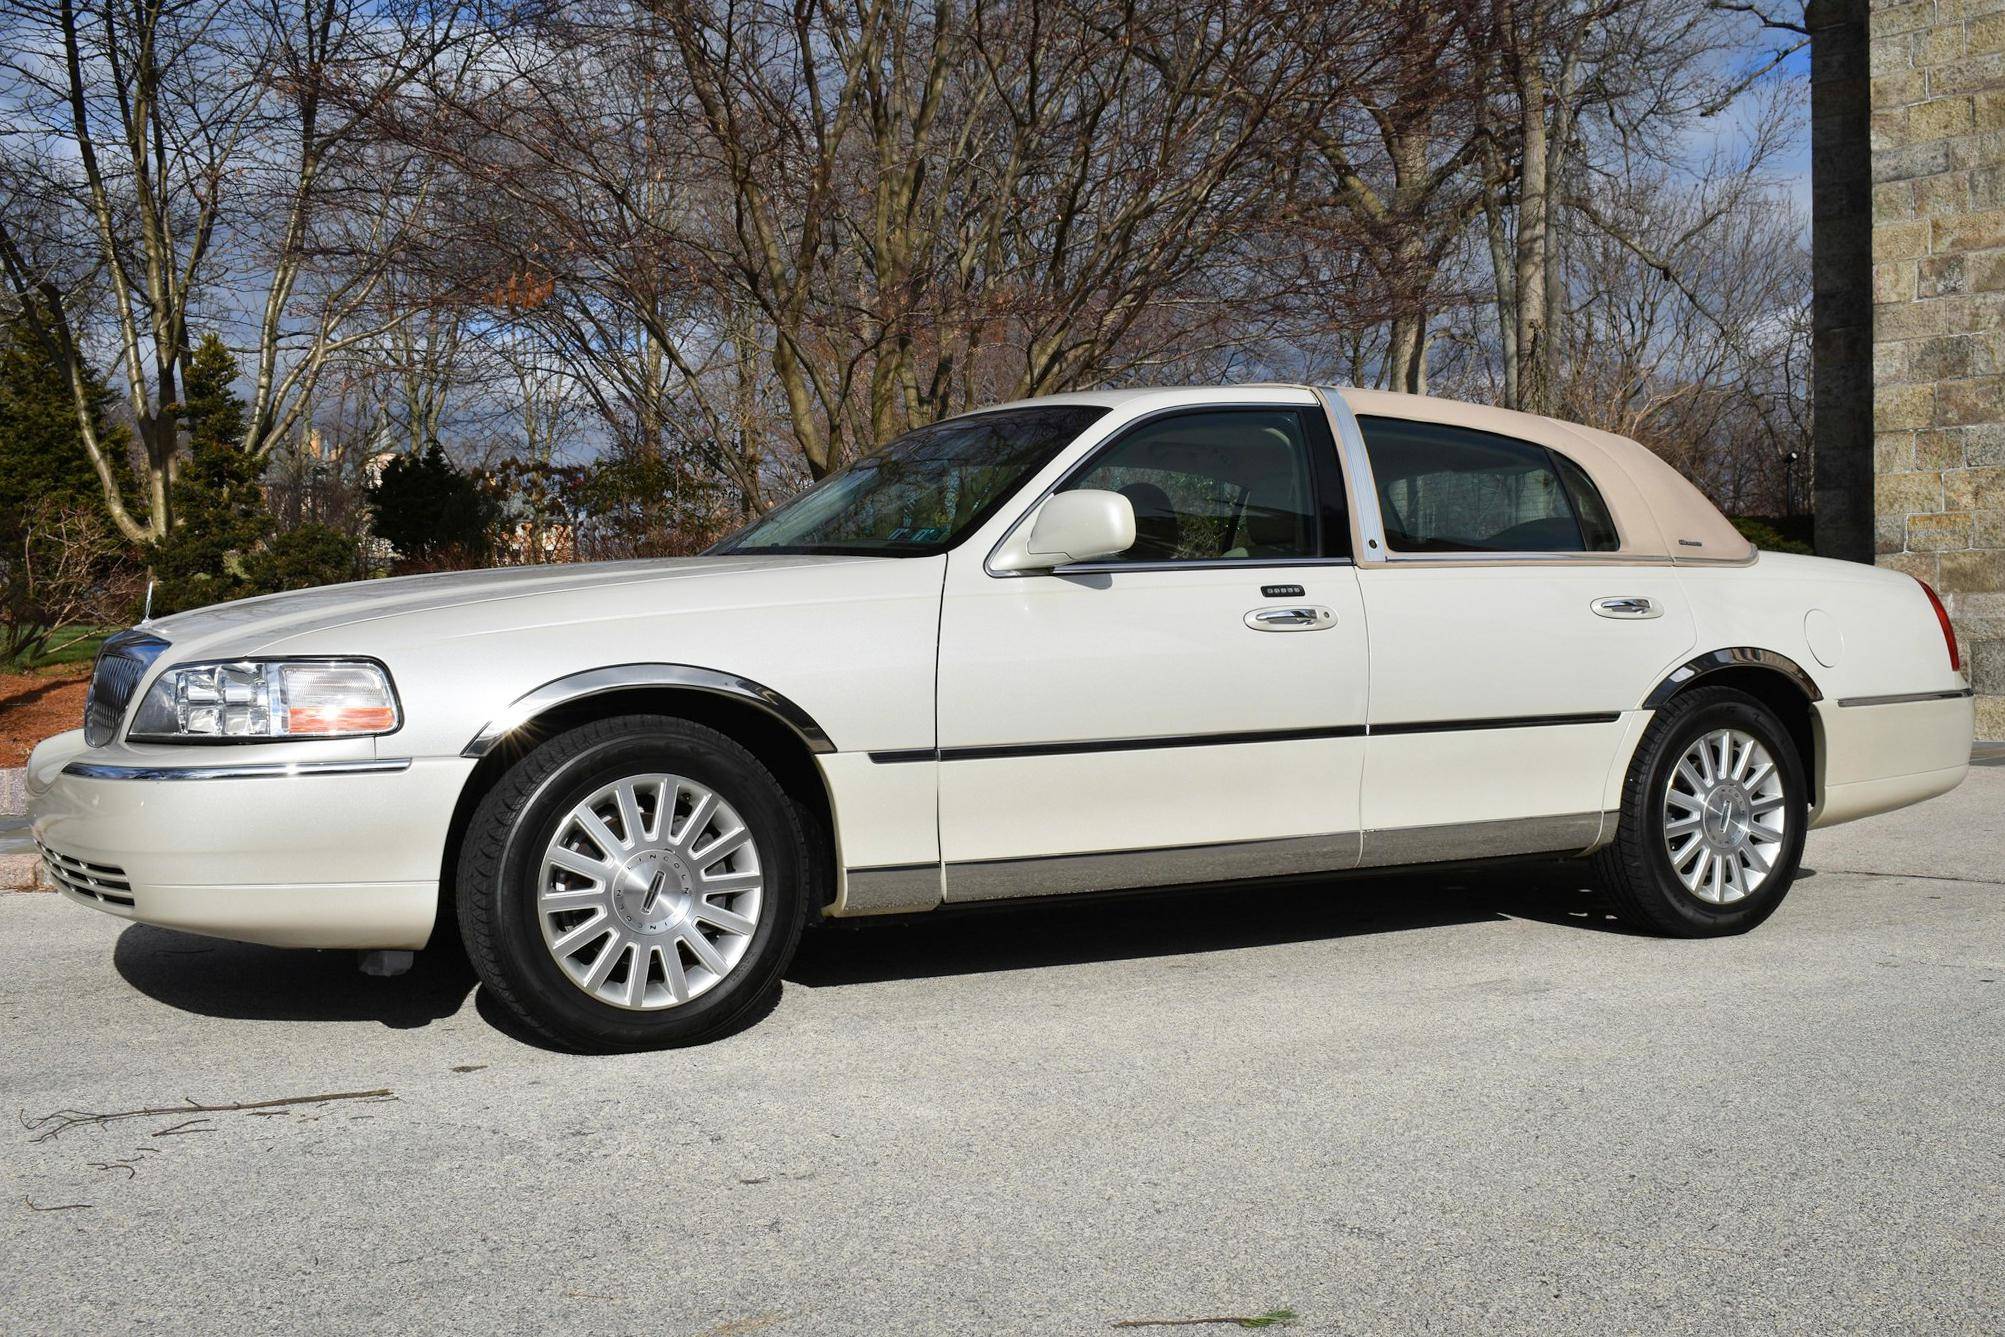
<point x="1213" y="486"/>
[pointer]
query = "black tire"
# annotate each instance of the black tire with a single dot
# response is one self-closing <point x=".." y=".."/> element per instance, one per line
<point x="501" y="860"/>
<point x="1635" y="868"/>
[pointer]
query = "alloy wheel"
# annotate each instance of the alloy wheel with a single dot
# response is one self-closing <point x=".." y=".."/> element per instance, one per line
<point x="1725" y="815"/>
<point x="649" y="891"/>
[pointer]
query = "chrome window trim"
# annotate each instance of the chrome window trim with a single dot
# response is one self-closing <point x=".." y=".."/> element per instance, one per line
<point x="1202" y="564"/>
<point x="1113" y="435"/>
<point x="250" y="770"/>
<point x="1905" y="698"/>
<point x="617" y="677"/>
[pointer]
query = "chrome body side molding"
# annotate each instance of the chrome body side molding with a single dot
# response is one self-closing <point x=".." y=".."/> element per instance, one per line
<point x="1739" y="656"/>
<point x="1566" y="833"/>
<point x="910" y="887"/>
<point x="891" y="889"/>
<point x="250" y="770"/>
<point x="1115" y="870"/>
<point x="1903" y="698"/>
<point x="619" y="677"/>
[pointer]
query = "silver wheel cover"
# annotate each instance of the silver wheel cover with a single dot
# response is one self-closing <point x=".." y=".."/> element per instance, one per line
<point x="1725" y="816"/>
<point x="649" y="892"/>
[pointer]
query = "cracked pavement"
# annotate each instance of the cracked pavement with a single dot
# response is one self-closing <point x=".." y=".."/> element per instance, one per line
<point x="1388" y="1106"/>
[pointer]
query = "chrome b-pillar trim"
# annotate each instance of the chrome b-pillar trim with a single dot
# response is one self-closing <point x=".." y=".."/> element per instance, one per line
<point x="618" y="677"/>
<point x="1357" y="470"/>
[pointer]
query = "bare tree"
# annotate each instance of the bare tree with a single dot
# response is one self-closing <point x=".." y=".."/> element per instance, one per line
<point x="168" y="132"/>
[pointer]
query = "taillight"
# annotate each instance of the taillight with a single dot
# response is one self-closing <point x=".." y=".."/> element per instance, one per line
<point x="1942" y="617"/>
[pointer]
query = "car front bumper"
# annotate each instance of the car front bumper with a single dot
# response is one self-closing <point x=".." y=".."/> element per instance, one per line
<point x="332" y="847"/>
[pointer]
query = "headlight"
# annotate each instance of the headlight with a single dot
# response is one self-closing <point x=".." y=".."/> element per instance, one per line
<point x="255" y="699"/>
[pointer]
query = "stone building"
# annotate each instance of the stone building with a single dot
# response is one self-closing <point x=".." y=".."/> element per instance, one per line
<point x="1908" y="221"/>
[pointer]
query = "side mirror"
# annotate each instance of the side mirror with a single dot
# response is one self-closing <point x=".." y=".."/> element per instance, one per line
<point x="1070" y="527"/>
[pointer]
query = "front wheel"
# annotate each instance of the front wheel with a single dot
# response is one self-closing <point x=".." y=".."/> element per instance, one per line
<point x="634" y="883"/>
<point x="1712" y="821"/>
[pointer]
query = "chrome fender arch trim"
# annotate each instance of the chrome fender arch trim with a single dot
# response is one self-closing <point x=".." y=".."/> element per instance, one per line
<point x="620" y="677"/>
<point x="1738" y="656"/>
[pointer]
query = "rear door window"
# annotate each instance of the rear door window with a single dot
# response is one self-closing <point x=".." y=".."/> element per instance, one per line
<point x="1454" y="489"/>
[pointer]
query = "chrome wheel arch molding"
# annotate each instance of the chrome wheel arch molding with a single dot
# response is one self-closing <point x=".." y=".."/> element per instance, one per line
<point x="1732" y="657"/>
<point x="623" y="677"/>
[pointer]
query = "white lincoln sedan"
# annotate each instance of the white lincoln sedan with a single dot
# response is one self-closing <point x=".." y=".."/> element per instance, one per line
<point x="1077" y="644"/>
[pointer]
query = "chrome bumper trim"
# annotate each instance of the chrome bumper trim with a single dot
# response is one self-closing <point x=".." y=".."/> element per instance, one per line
<point x="1903" y="698"/>
<point x="253" y="770"/>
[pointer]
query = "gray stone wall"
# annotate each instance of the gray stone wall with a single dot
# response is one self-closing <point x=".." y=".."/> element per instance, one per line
<point x="1938" y="287"/>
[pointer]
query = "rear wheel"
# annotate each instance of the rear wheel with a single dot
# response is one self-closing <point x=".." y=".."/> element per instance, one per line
<point x="634" y="883"/>
<point x="1712" y="820"/>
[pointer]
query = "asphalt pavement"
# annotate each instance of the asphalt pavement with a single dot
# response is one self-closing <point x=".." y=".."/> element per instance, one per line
<point x="1435" y="1105"/>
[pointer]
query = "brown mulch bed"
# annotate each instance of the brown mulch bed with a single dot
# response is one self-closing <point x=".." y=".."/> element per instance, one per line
<point x="36" y="705"/>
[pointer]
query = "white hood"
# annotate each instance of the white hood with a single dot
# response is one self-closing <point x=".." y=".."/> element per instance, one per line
<point x="249" y="625"/>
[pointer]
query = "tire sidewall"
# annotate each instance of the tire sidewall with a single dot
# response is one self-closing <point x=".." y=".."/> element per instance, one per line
<point x="1745" y="715"/>
<point x="565" y="1008"/>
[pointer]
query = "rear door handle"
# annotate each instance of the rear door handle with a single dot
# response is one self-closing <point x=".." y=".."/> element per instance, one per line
<point x="1298" y="617"/>
<point x="1628" y="606"/>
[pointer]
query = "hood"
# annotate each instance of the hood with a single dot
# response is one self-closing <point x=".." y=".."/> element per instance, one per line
<point x="248" y="625"/>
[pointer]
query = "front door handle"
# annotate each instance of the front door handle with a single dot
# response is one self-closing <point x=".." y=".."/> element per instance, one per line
<point x="1628" y="606"/>
<point x="1298" y="617"/>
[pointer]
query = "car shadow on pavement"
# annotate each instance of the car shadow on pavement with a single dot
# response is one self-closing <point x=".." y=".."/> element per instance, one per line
<point x="215" y="978"/>
<point x="1183" y="922"/>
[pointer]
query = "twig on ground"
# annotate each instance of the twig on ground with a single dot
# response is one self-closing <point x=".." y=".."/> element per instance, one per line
<point x="131" y="1168"/>
<point x="1272" y="1318"/>
<point x="56" y="1207"/>
<point x="62" y="1121"/>
<point x="184" y="1127"/>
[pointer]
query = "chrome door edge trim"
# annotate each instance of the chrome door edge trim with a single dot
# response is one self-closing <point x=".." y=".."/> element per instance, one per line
<point x="1903" y="698"/>
<point x="250" y="770"/>
<point x="616" y="677"/>
<point x="1406" y="846"/>
<point x="1115" y="870"/>
<point x="1737" y="656"/>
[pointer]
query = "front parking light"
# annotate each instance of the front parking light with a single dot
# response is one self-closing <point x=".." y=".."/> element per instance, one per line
<point x="249" y="700"/>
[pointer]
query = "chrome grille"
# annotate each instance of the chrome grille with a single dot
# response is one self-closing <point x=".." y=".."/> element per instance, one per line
<point x="98" y="881"/>
<point x="121" y="663"/>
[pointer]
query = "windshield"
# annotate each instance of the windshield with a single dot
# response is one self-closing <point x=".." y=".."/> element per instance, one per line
<point x="922" y="493"/>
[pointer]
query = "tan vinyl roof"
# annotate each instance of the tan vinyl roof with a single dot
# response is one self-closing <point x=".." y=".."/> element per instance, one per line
<point x="1656" y="511"/>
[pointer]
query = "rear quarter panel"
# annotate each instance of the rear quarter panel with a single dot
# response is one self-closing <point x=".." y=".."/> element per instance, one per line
<point x="1859" y="632"/>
